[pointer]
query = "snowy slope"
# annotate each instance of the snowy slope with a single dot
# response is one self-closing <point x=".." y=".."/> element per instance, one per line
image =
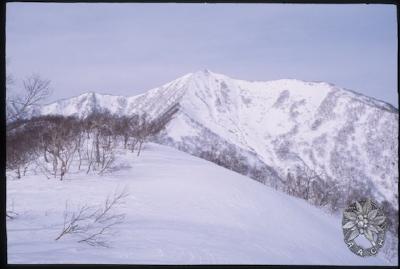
<point x="349" y="137"/>
<point x="180" y="210"/>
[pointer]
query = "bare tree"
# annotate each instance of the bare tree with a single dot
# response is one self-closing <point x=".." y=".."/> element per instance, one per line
<point x="20" y="151"/>
<point x="20" y="145"/>
<point x="100" y="128"/>
<point x="307" y="176"/>
<point x="124" y="128"/>
<point x="145" y="128"/>
<point x="61" y="135"/>
<point x="79" y="144"/>
<point x="36" y="89"/>
<point x="138" y="130"/>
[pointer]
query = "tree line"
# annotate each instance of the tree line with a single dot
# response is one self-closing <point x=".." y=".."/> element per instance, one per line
<point x="60" y="140"/>
<point x="92" y="141"/>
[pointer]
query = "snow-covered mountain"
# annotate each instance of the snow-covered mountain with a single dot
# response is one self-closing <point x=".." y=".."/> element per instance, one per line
<point x="267" y="128"/>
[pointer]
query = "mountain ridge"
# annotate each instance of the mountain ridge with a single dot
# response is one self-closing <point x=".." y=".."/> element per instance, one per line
<point x="264" y="125"/>
<point x="392" y="108"/>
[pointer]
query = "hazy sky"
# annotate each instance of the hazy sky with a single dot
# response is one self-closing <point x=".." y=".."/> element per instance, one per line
<point x="125" y="49"/>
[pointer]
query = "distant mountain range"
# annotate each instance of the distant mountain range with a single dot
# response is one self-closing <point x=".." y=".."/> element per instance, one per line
<point x="271" y="126"/>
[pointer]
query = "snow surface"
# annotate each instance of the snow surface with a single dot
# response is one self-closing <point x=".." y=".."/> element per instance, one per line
<point x="180" y="210"/>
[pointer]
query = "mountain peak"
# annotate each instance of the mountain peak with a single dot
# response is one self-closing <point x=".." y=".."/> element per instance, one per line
<point x="90" y="94"/>
<point x="207" y="75"/>
<point x="206" y="71"/>
<point x="203" y="73"/>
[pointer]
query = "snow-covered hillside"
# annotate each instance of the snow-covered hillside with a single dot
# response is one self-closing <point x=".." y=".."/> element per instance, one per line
<point x="272" y="125"/>
<point x="180" y="210"/>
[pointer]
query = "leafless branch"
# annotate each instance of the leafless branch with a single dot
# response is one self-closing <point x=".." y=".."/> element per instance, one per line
<point x="111" y="202"/>
<point x="11" y="214"/>
<point x="36" y="90"/>
<point x="73" y="220"/>
<point x="9" y="81"/>
<point x="93" y="224"/>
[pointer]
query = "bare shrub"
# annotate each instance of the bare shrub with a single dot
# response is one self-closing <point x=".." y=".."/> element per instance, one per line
<point x="73" y="221"/>
<point x="11" y="213"/>
<point x="94" y="224"/>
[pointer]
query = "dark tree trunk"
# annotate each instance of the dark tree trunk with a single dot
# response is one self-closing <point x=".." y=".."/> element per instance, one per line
<point x="140" y="148"/>
<point x="19" y="173"/>
<point x="45" y="155"/>
<point x="97" y="149"/>
<point x="126" y="138"/>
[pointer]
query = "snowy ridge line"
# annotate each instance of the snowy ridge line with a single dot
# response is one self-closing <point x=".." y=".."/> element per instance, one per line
<point x="359" y="97"/>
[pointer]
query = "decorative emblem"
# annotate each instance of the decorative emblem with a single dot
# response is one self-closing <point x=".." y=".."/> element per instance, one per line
<point x="364" y="226"/>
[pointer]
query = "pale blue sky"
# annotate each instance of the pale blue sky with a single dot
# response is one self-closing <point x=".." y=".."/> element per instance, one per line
<point x="125" y="49"/>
